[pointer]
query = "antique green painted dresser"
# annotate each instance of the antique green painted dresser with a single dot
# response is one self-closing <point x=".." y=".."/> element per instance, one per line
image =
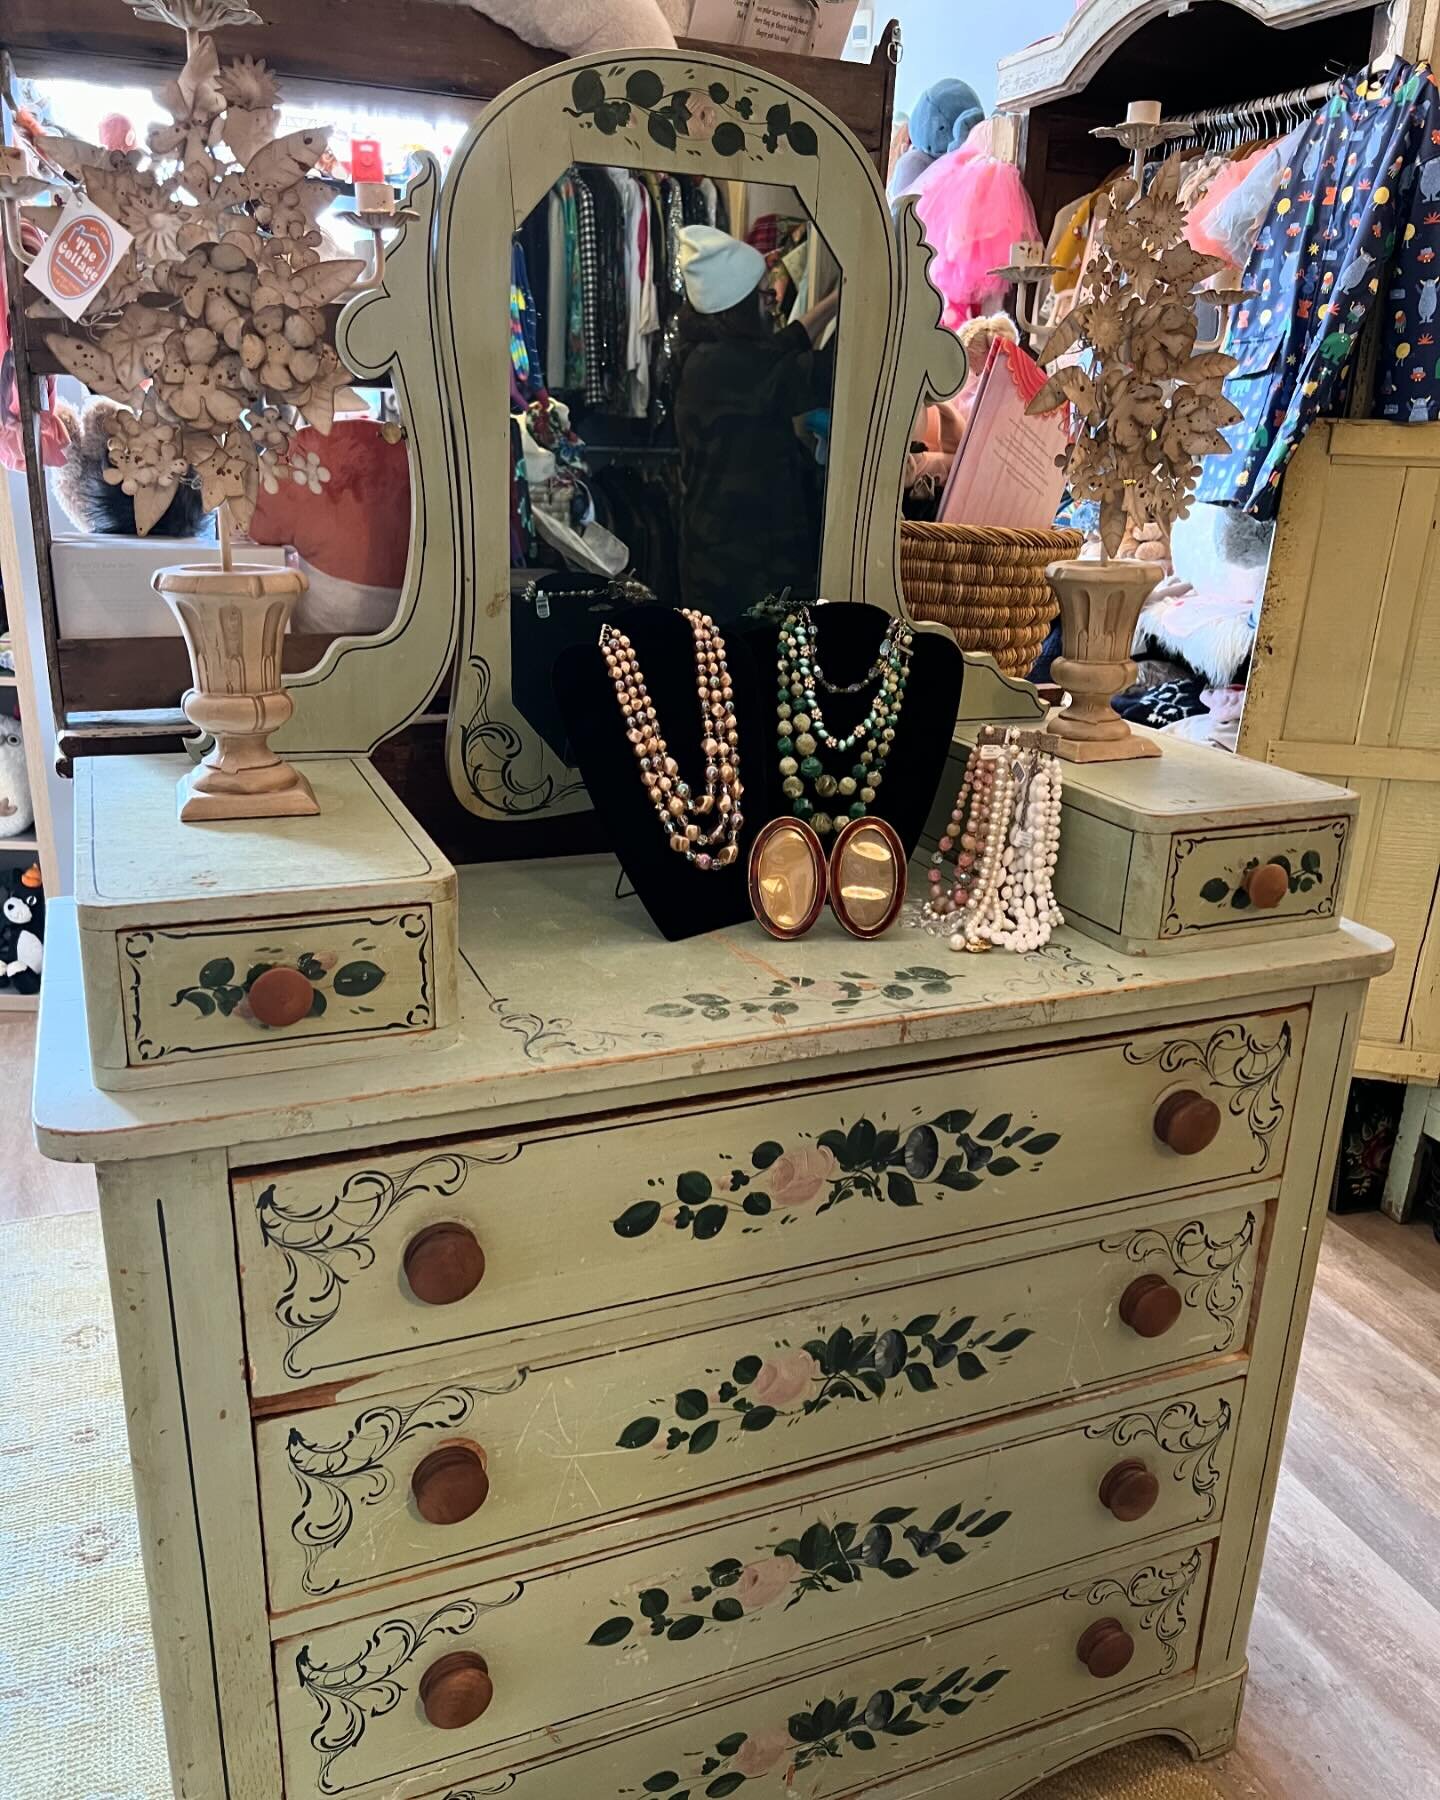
<point x="591" y="1368"/>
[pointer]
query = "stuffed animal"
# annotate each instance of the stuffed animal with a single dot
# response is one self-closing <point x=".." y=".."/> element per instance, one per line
<point x="587" y="27"/>
<point x="24" y="915"/>
<point x="93" y="504"/>
<point x="16" y="809"/>
<point x="943" y="118"/>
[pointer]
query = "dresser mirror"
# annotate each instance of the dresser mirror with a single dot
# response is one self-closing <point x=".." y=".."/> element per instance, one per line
<point x="655" y="133"/>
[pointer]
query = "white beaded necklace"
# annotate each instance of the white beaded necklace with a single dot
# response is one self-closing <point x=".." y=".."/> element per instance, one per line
<point x="1005" y="831"/>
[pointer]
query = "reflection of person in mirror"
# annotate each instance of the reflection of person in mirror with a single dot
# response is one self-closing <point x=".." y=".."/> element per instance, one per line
<point x="751" y="483"/>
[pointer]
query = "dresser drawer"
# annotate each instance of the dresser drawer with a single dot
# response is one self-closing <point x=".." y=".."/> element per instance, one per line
<point x="620" y="1218"/>
<point x="197" y="993"/>
<point x="355" y="1700"/>
<point x="611" y="1435"/>
<point x="1217" y="880"/>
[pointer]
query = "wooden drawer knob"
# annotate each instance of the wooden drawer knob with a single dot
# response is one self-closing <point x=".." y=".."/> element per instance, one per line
<point x="1130" y="1490"/>
<point x="1268" y="884"/>
<point x="1187" y="1122"/>
<point x="1150" y="1306"/>
<point x="444" y="1263"/>
<point x="450" y="1484"/>
<point x="1106" y="1649"/>
<point x="281" y="997"/>
<point x="456" y="1690"/>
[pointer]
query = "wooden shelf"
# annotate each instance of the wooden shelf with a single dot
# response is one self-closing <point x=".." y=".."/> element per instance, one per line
<point x="8" y="680"/>
<point x="13" y="1002"/>
<point x="30" y="844"/>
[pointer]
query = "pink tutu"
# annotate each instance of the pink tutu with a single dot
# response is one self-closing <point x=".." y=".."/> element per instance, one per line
<point x="973" y="207"/>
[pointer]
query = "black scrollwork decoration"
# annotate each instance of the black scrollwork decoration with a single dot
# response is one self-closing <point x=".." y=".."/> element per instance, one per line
<point x="334" y="1478"/>
<point x="1183" y="1432"/>
<point x="1159" y="1593"/>
<point x="1209" y="1271"/>
<point x="1233" y="1058"/>
<point x="326" y="1242"/>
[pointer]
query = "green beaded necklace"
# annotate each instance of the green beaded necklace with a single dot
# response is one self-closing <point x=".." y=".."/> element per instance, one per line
<point x="802" y="731"/>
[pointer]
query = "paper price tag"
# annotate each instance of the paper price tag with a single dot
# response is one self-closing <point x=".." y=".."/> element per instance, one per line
<point x="79" y="257"/>
<point x="822" y="29"/>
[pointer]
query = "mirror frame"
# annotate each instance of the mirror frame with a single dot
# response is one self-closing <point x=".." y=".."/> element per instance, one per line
<point x="437" y="321"/>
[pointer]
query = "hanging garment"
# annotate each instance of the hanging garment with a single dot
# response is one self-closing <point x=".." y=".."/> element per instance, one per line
<point x="589" y="292"/>
<point x="1316" y="272"/>
<point x="573" y="377"/>
<point x="1407" y="377"/>
<point x="973" y="207"/>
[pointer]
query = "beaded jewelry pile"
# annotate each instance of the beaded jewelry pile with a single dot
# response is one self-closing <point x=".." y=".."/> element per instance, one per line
<point x="676" y="808"/>
<point x="1004" y="832"/>
<point x="803" y="733"/>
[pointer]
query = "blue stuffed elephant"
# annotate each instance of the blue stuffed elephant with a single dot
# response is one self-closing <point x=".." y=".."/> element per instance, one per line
<point x="943" y="118"/>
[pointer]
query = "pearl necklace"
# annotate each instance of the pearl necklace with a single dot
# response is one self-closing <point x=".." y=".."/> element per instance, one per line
<point x="1005" y="830"/>
<point x="677" y="810"/>
<point x="802" y="730"/>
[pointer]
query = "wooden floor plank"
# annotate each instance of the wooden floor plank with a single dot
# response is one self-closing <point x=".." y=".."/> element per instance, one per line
<point x="30" y="1187"/>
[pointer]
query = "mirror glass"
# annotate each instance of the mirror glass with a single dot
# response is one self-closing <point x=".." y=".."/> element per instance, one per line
<point x="672" y="351"/>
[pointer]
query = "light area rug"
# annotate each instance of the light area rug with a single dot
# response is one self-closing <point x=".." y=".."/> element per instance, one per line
<point x="79" y="1708"/>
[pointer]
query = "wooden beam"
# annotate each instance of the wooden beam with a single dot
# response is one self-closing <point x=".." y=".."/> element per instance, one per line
<point x="1344" y="762"/>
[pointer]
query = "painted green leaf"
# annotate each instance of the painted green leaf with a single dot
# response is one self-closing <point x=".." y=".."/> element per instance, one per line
<point x="948" y="1518"/>
<point x="954" y="1122"/>
<point x="957" y="1329"/>
<point x="1239" y="900"/>
<point x="710" y="1221"/>
<point x="654" y="1603"/>
<point x="988" y="1527"/>
<point x="310" y="966"/>
<point x="693" y="1187"/>
<point x="254" y="972"/>
<point x="746" y="1370"/>
<point x="920" y="1378"/>
<point x="729" y="138"/>
<point x="1012" y="1340"/>
<point x="719" y="93"/>
<point x="757" y="1204"/>
<point x="1042" y="1143"/>
<point x="727" y="1573"/>
<point x="996" y="1128"/>
<point x="355" y="978"/>
<point x="764" y="1154"/>
<point x="203" y="1003"/>
<point x="318" y="1003"/>
<point x="587" y="90"/>
<point x="1216" y="888"/>
<point x="1003" y="1165"/>
<point x="645" y="87"/>
<point x="758" y="1418"/>
<point x="638" y="1433"/>
<point x="988" y="1681"/>
<point x="684" y="1628"/>
<point x="893" y="1515"/>
<point x="1310" y="862"/>
<point x="897" y="1568"/>
<point x="862" y="1740"/>
<point x="636" y="1220"/>
<point x="219" y="972"/>
<point x="704" y="1436"/>
<point x="613" y="1631"/>
<point x="727" y="1611"/>
<point x="662" y="130"/>
<point x="729" y="1745"/>
<point x="725" y="1784"/>
<point x="900" y="1189"/>
<point x="951" y="1553"/>
<point x="860" y="1143"/>
<point x="958" y="1176"/>
<point x="692" y="1404"/>
<point x="968" y="1366"/>
<point x="922" y="1323"/>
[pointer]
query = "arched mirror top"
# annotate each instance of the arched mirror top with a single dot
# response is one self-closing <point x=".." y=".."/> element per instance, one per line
<point x="665" y="118"/>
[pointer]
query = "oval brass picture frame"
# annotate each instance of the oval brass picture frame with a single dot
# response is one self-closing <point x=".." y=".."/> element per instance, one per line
<point x="786" y="856"/>
<point x="862" y="899"/>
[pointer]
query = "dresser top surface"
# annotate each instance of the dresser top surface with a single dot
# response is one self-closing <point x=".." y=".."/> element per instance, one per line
<point x="134" y="858"/>
<point x="570" y="1004"/>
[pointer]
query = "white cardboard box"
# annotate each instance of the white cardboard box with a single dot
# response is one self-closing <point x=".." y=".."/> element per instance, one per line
<point x="102" y="583"/>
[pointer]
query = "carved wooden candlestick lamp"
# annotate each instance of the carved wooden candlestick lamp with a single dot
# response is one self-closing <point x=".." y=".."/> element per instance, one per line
<point x="1150" y="402"/>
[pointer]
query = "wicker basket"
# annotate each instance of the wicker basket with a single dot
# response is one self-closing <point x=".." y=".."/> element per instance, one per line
<point x="987" y="583"/>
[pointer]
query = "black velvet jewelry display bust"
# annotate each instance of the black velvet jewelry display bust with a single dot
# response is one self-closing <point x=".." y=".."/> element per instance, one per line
<point x="848" y="636"/>
<point x="682" y="900"/>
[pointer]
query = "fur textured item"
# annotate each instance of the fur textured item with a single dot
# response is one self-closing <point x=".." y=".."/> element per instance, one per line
<point x="17" y="813"/>
<point x="90" y="502"/>
<point x="588" y="27"/>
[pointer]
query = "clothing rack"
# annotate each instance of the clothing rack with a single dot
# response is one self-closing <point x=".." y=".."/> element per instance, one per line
<point x="1227" y="127"/>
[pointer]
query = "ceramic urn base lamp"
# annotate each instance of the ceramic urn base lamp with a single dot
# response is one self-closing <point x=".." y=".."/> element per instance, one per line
<point x="234" y="621"/>
<point x="1099" y="606"/>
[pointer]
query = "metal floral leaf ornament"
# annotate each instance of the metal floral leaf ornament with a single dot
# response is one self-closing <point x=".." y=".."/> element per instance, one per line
<point x="1149" y="406"/>
<point x="195" y="15"/>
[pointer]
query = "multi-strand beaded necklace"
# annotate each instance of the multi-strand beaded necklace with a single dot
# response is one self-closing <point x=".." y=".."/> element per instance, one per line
<point x="803" y="733"/>
<point x="716" y="843"/>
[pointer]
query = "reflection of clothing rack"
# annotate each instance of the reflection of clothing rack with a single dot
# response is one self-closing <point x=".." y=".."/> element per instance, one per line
<point x="1222" y="127"/>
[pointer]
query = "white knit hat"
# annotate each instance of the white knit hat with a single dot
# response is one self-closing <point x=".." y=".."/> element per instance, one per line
<point x="719" y="270"/>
